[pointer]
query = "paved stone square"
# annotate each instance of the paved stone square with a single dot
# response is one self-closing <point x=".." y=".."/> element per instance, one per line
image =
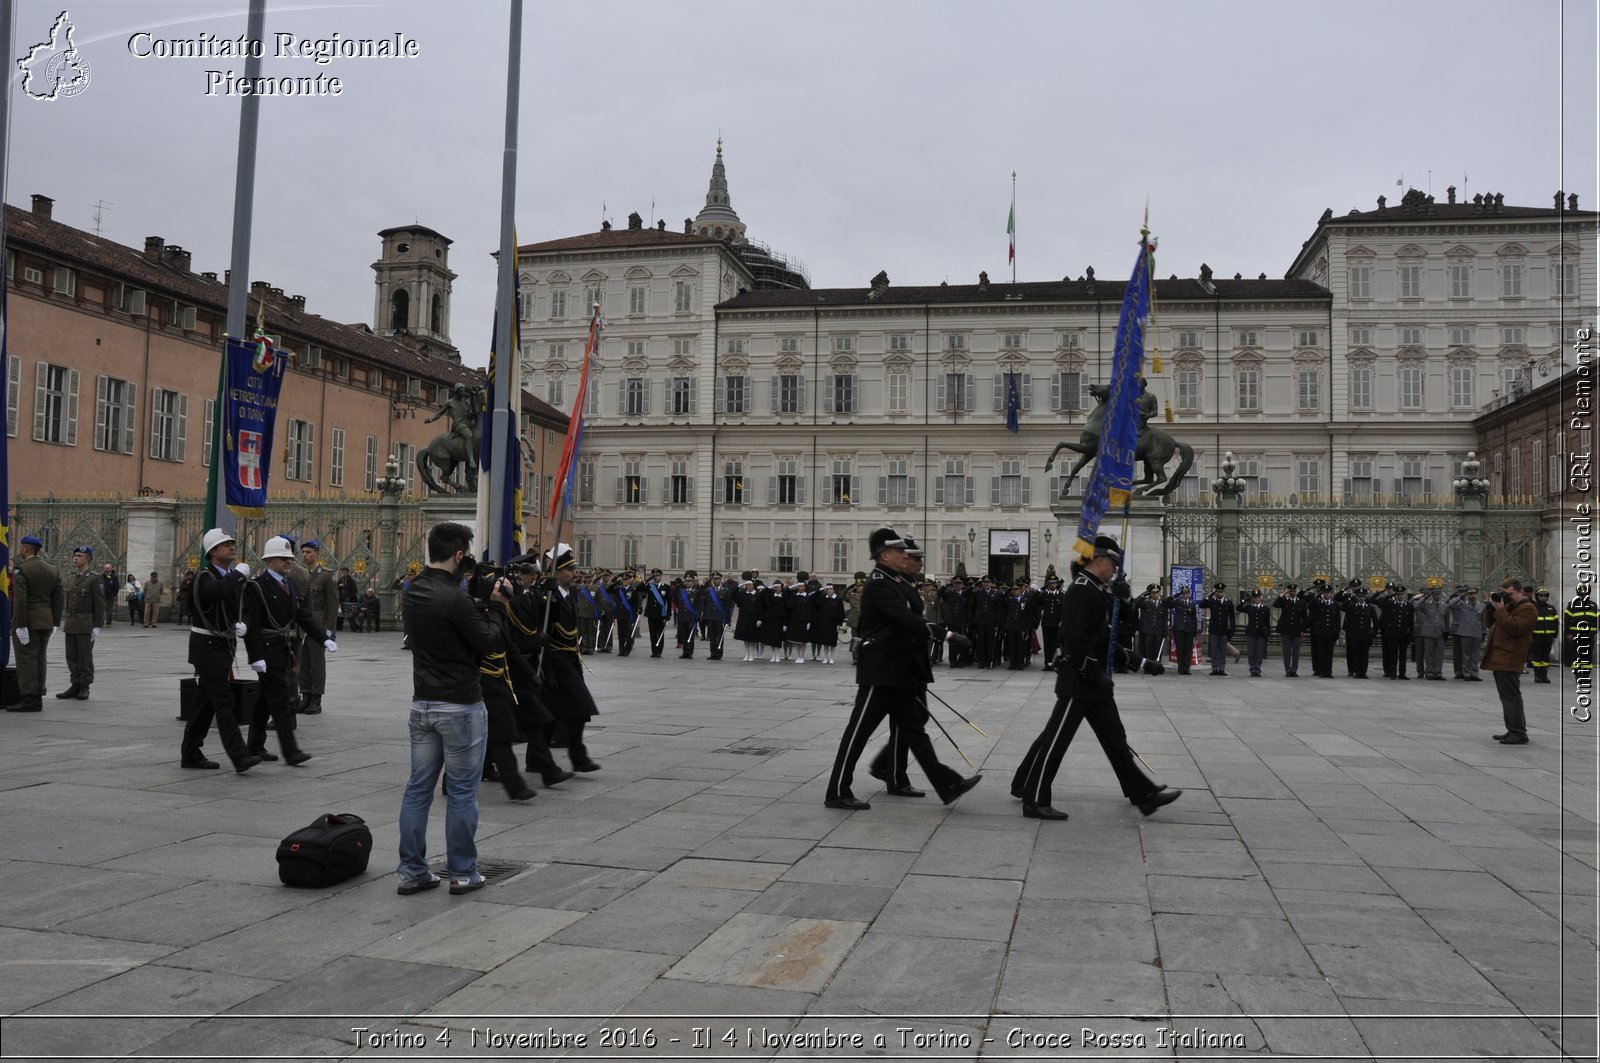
<point x="1355" y="870"/>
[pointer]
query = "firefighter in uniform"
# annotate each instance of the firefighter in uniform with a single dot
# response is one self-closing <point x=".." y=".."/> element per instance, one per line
<point x="215" y="625"/>
<point x="1085" y="690"/>
<point x="892" y="677"/>
<point x="274" y="616"/>
<point x="1544" y="636"/>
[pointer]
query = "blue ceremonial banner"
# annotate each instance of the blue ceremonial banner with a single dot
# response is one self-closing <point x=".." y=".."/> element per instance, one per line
<point x="1111" y="483"/>
<point x="249" y="412"/>
<point x="497" y="474"/>
<point x="5" y="499"/>
<point x="1013" y="401"/>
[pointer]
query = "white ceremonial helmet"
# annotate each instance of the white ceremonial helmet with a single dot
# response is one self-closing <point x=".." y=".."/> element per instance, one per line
<point x="213" y="539"/>
<point x="277" y="546"/>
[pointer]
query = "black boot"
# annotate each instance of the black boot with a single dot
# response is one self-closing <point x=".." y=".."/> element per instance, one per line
<point x="68" y="694"/>
<point x="83" y="692"/>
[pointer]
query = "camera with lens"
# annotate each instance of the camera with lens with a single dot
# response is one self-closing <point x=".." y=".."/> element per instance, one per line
<point x="1496" y="596"/>
<point x="485" y="574"/>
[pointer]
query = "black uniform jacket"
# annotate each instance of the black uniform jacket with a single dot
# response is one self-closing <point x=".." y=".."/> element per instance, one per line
<point x="215" y="605"/>
<point x="1085" y="638"/>
<point x="448" y="637"/>
<point x="894" y="637"/>
<point x="274" y="615"/>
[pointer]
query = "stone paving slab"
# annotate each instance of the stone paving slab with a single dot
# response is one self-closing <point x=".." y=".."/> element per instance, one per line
<point x="1341" y="870"/>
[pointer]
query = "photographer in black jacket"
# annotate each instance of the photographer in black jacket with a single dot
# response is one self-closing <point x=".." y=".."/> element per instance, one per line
<point x="892" y="676"/>
<point x="1084" y="690"/>
<point x="449" y="724"/>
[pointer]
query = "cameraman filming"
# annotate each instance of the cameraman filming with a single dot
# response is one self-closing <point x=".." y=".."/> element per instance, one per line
<point x="449" y="725"/>
<point x="1510" y="630"/>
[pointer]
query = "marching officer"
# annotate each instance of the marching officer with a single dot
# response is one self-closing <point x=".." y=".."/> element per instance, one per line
<point x="85" y="609"/>
<point x="569" y="701"/>
<point x="1578" y="629"/>
<point x="322" y="598"/>
<point x="274" y="615"/>
<point x="1544" y="636"/>
<point x="656" y="611"/>
<point x="1219" y="627"/>
<point x="1360" y="625"/>
<point x="39" y="598"/>
<point x="892" y="677"/>
<point x="215" y="624"/>
<point x="1257" y="626"/>
<point x="1185" y="623"/>
<point x="1084" y="690"/>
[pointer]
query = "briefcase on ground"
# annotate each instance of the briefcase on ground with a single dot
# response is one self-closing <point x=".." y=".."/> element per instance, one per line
<point x="333" y="848"/>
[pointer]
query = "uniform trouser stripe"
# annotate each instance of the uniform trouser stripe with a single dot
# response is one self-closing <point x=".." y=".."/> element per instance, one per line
<point x="850" y="745"/>
<point x="1037" y="783"/>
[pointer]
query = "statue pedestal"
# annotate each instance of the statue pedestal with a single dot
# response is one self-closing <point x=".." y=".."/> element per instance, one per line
<point x="1142" y="544"/>
<point x="458" y="508"/>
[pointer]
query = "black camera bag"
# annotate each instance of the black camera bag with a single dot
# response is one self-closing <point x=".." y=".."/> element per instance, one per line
<point x="330" y="850"/>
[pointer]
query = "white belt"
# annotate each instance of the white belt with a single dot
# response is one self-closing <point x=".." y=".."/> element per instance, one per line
<point x="211" y="634"/>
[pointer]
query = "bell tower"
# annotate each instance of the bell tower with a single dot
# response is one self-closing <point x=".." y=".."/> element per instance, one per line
<point x="413" y="290"/>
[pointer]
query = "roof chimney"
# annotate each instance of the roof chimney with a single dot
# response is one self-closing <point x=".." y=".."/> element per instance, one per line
<point x="152" y="248"/>
<point x="209" y="276"/>
<point x="298" y="302"/>
<point x="42" y="205"/>
<point x="176" y="257"/>
<point x="1572" y="201"/>
<point x="605" y="226"/>
<point x="661" y="225"/>
<point x="635" y="222"/>
<point x="259" y="289"/>
<point x="688" y="226"/>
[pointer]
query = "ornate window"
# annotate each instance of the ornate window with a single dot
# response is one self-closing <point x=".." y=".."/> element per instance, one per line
<point x="1247" y="383"/>
<point x="1362" y="374"/>
<point x="1412" y="374"/>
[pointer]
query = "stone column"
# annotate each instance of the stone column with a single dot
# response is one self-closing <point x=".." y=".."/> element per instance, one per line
<point x="1230" y="502"/>
<point x="1472" y="499"/>
<point x="390" y="487"/>
<point x="152" y="527"/>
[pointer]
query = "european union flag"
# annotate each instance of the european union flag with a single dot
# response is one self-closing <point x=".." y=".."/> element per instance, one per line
<point x="1112" y="479"/>
<point x="1013" y="401"/>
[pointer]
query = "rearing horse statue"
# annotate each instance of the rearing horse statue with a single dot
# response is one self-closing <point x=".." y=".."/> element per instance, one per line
<point x="1155" y="448"/>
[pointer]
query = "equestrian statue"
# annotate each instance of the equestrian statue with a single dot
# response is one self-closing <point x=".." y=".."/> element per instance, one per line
<point x="456" y="447"/>
<point x="1155" y="446"/>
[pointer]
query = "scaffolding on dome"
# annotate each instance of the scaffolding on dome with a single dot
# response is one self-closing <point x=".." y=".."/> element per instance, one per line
<point x="772" y="271"/>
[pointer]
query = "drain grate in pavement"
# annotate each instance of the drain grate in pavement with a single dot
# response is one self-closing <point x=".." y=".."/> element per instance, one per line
<point x="492" y="870"/>
<point x="749" y="751"/>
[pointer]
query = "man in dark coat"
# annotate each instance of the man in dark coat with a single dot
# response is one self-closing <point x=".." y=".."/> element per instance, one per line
<point x="1052" y="602"/>
<point x="625" y="605"/>
<point x="1325" y="619"/>
<point x="1185" y="623"/>
<point x="1257" y="626"/>
<point x="1152" y="618"/>
<point x="656" y="611"/>
<point x="987" y="614"/>
<point x="683" y="611"/>
<point x="215" y="624"/>
<point x="892" y="677"/>
<point x="1085" y="690"/>
<point x="1219" y="627"/>
<point x="1018" y="628"/>
<point x="1360" y="625"/>
<point x="1394" y="628"/>
<point x="955" y="606"/>
<point x="713" y="604"/>
<point x="1292" y="621"/>
<point x="569" y="699"/>
<point x="274" y="615"/>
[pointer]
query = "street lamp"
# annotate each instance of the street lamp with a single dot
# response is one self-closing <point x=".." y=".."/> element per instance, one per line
<point x="1228" y="485"/>
<point x="1470" y="484"/>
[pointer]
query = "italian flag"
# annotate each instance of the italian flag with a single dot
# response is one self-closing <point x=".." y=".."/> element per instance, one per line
<point x="1011" y="231"/>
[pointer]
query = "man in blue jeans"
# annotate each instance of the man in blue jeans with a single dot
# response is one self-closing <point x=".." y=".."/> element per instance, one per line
<point x="449" y="726"/>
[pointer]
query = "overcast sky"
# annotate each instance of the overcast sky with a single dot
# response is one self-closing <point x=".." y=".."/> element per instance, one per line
<point x="858" y="136"/>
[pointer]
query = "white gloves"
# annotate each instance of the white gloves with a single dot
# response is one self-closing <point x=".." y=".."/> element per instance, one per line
<point x="22" y="636"/>
<point x="259" y="666"/>
<point x="94" y="633"/>
<point x="239" y="629"/>
<point x="330" y="645"/>
<point x="243" y="569"/>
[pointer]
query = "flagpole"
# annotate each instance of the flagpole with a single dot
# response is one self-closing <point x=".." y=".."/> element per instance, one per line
<point x="496" y="537"/>
<point x="244" y="190"/>
<point x="6" y="10"/>
<point x="1013" y="226"/>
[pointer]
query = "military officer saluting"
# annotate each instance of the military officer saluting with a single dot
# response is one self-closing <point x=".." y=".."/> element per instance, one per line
<point x="85" y="615"/>
<point x="38" y="598"/>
